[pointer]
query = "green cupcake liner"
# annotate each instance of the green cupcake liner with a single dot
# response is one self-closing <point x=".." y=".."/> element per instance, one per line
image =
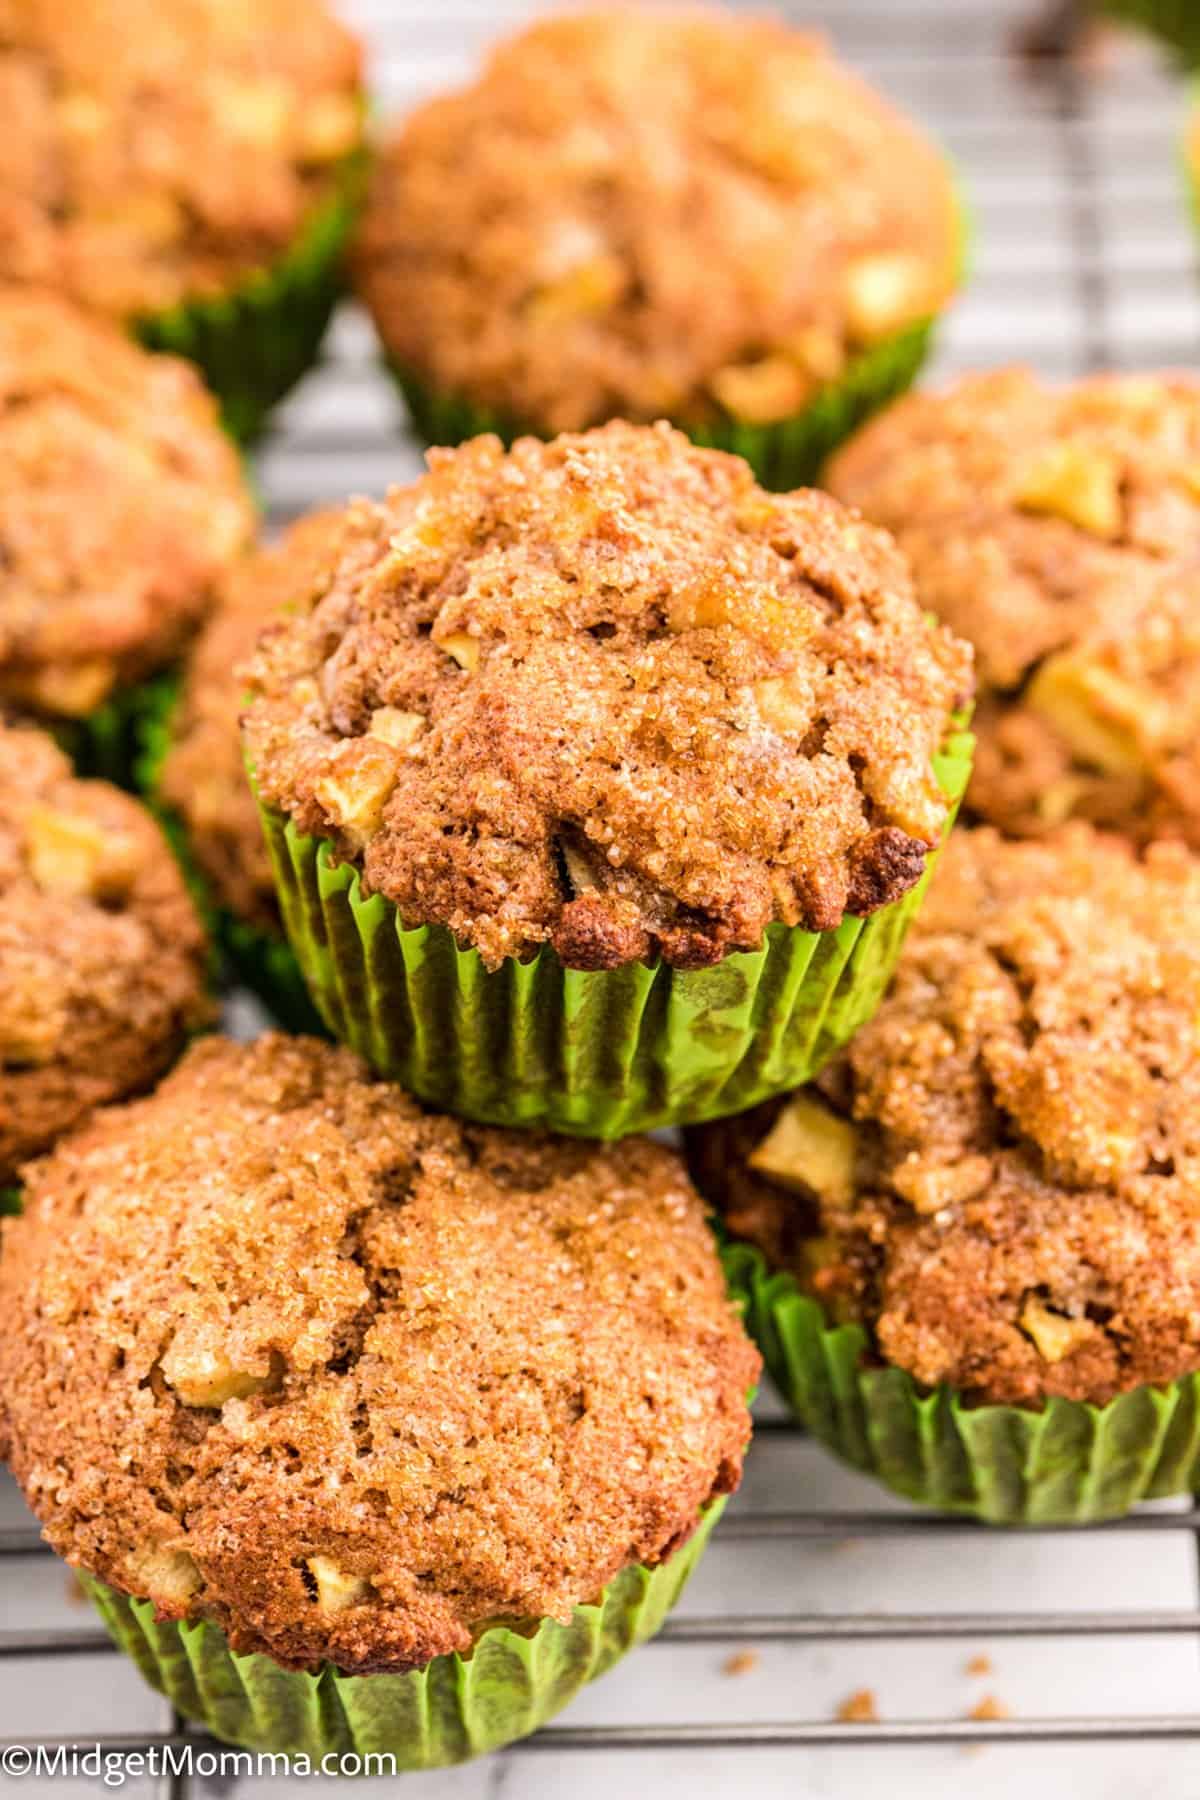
<point x="105" y="746"/>
<point x="1067" y="1464"/>
<point x="260" y="960"/>
<point x="457" y="1707"/>
<point x="592" y="1053"/>
<point x="785" y="455"/>
<point x="266" y="964"/>
<point x="1177" y="22"/>
<point x="254" y="344"/>
<point x="10" y="1202"/>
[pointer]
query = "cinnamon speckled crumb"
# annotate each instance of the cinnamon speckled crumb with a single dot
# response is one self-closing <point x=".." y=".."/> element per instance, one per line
<point x="1018" y="1214"/>
<point x="1059" y="530"/>
<point x="102" y="957"/>
<point x="608" y="694"/>
<point x="634" y="213"/>
<point x="203" y="776"/>
<point x="162" y="149"/>
<point x="121" y="504"/>
<point x="283" y="1351"/>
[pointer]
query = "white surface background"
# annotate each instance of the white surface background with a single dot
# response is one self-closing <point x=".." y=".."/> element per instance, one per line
<point x="1083" y="257"/>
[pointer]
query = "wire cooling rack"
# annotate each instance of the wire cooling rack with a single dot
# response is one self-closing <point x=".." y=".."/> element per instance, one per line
<point x="1075" y="1655"/>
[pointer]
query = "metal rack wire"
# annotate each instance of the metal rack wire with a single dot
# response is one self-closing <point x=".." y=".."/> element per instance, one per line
<point x="1083" y="260"/>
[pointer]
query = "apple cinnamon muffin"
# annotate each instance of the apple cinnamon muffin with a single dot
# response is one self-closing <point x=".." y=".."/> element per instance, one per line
<point x="121" y="504"/>
<point x="986" y="1215"/>
<point x="182" y="166"/>
<point x="641" y="214"/>
<point x="102" y="957"/>
<point x="195" y="773"/>
<point x="601" y="707"/>
<point x="386" y="1398"/>
<point x="1058" y="530"/>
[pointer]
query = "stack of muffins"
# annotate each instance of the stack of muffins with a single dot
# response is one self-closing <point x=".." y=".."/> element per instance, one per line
<point x="386" y="1390"/>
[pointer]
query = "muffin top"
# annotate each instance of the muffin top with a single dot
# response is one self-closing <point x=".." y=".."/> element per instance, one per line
<point x="121" y="500"/>
<point x="160" y="151"/>
<point x="1001" y="1177"/>
<point x="102" y="959"/>
<point x="608" y="694"/>
<point x="634" y="213"/>
<point x="352" y="1380"/>
<point x="1108" y="728"/>
<point x="203" y="774"/>
<point x="1059" y="530"/>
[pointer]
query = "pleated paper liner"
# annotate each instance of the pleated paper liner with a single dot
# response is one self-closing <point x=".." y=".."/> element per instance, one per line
<point x="457" y="1707"/>
<point x="253" y="344"/>
<point x="105" y="745"/>
<point x="785" y="455"/>
<point x="1066" y="1464"/>
<point x="260" y="960"/>
<point x="595" y="1053"/>
<point x="266" y="964"/>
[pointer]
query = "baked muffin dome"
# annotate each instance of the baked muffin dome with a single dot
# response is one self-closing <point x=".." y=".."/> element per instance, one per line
<point x="378" y="1378"/>
<point x="606" y="693"/>
<point x="637" y="214"/>
<point x="102" y="958"/>
<point x="121" y="502"/>
<point x="159" y="151"/>
<point x="203" y="775"/>
<point x="1001" y="1177"/>
<point x="1059" y="530"/>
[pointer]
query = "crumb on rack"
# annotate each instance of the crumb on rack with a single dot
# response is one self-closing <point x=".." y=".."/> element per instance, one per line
<point x="859" y="1708"/>
<point x="742" y="1662"/>
<point x="990" y="1707"/>
<point x="980" y="1665"/>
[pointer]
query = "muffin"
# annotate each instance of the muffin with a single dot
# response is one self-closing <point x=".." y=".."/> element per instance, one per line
<point x="638" y="214"/>
<point x="121" y="502"/>
<point x="1059" y="530"/>
<point x="401" y="1430"/>
<point x="102" y="957"/>
<point x="194" y="775"/>
<point x="975" y="1259"/>
<point x="599" y="783"/>
<point x="189" y="169"/>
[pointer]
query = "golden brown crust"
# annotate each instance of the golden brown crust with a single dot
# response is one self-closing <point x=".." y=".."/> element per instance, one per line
<point x="121" y="501"/>
<point x="1024" y="1213"/>
<point x="633" y="214"/>
<point x="203" y="775"/>
<point x="160" y="151"/>
<point x="608" y="694"/>
<point x="102" y="958"/>
<point x="1059" y="531"/>
<point x="352" y="1380"/>
<point x="1138" y="667"/>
